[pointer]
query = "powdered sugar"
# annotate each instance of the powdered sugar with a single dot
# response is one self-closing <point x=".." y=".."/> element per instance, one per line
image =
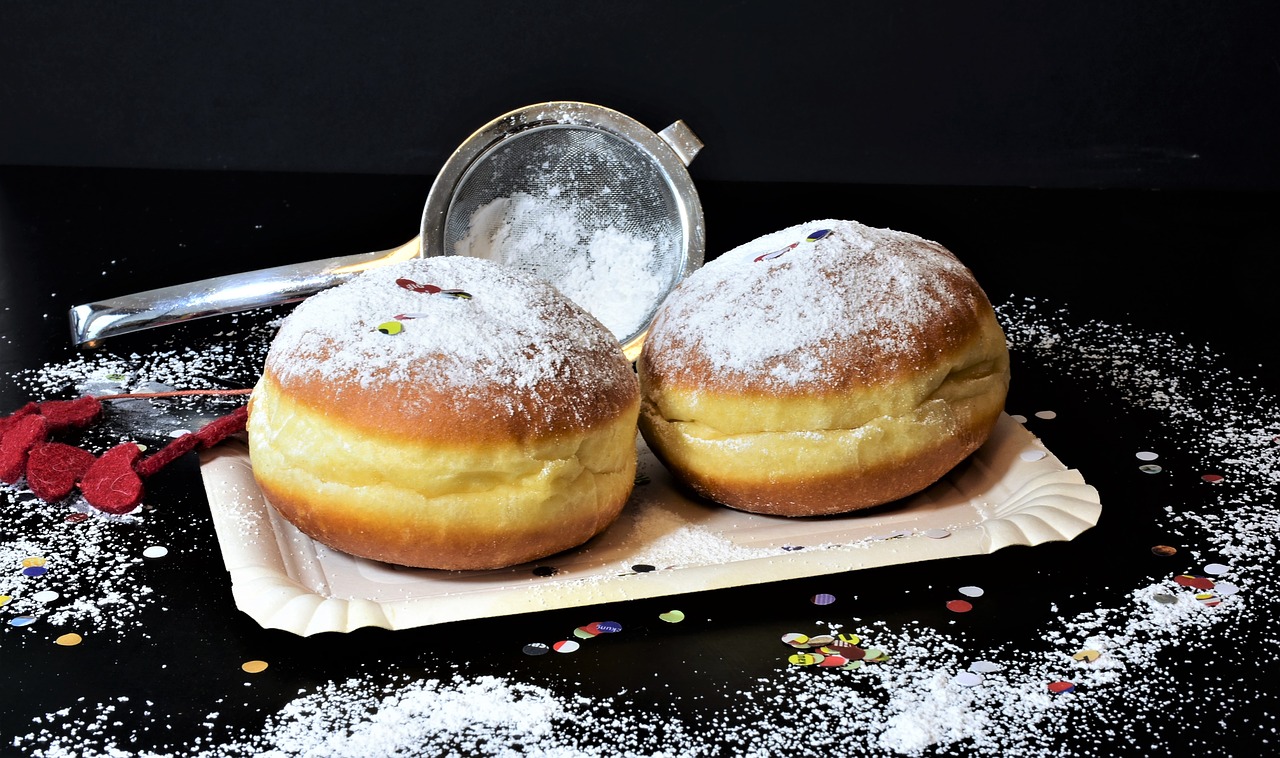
<point x="447" y="321"/>
<point x="610" y="272"/>
<point x="774" y="308"/>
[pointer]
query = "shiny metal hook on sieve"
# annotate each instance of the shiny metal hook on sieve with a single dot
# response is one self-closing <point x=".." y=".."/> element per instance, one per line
<point x="578" y="193"/>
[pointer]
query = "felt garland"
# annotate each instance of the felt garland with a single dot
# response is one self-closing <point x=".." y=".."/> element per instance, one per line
<point x="112" y="482"/>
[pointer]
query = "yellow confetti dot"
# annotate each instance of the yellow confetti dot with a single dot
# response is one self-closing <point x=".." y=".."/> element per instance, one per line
<point x="254" y="667"/>
<point x="33" y="560"/>
<point x="806" y="659"/>
<point x="1088" y="656"/>
<point x="69" y="639"/>
<point x="4" y="600"/>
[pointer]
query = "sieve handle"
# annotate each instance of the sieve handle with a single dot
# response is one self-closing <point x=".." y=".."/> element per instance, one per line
<point x="682" y="140"/>
<point x="233" y="293"/>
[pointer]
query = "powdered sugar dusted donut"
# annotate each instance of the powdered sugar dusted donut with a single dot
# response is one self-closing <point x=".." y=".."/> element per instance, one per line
<point x="446" y="413"/>
<point x="821" y="369"/>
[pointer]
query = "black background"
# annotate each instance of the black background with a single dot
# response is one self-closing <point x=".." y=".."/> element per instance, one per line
<point x="1048" y="94"/>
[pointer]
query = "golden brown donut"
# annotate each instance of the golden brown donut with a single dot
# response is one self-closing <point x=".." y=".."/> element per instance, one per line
<point x="445" y="413"/>
<point x="822" y="369"/>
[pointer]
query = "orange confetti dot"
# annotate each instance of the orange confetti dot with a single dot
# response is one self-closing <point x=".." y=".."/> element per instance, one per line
<point x="1164" y="550"/>
<point x="69" y="639"/>
<point x="254" y="667"/>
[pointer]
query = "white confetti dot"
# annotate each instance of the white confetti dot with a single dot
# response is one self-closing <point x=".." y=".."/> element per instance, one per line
<point x="1046" y="414"/>
<point x="155" y="551"/>
<point x="968" y="679"/>
<point x="1147" y="456"/>
<point x="1216" y="569"/>
<point x="45" y="596"/>
<point x="936" y="534"/>
<point x="972" y="591"/>
<point x="985" y="667"/>
<point x="1031" y="455"/>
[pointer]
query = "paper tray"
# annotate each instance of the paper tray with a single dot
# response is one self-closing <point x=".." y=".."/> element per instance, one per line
<point x="1012" y="491"/>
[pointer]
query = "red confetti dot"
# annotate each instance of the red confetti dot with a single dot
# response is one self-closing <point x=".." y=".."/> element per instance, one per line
<point x="959" y="606"/>
<point x="1212" y="478"/>
<point x="1061" y="687"/>
<point x="1197" y="582"/>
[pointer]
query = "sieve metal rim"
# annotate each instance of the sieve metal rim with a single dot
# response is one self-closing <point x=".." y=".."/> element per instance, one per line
<point x="559" y="114"/>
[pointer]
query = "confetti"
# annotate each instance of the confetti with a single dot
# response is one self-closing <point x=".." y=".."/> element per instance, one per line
<point x="565" y="646"/>
<point x="253" y="667"/>
<point x="155" y="551"/>
<point x="822" y="598"/>
<point x="1164" y="551"/>
<point x="959" y="606"/>
<point x="968" y="679"/>
<point x="971" y="591"/>
<point x="672" y="617"/>
<point x="69" y="639"/>
<point x="536" y="648"/>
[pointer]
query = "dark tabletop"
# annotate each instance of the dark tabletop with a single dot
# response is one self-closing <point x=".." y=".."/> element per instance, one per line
<point x="1139" y="322"/>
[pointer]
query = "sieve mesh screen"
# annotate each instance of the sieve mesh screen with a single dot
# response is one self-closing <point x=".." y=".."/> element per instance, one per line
<point x="576" y="206"/>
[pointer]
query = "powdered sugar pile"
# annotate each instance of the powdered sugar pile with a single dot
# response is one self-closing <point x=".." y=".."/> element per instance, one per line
<point x="610" y="272"/>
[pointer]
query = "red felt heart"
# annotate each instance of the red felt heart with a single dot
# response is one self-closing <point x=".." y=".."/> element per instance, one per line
<point x="12" y="418"/>
<point x="71" y="414"/>
<point x="111" y="484"/>
<point x="23" y="434"/>
<point x="53" y="468"/>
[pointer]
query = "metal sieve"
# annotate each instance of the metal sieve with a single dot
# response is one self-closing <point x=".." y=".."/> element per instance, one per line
<point x="579" y="194"/>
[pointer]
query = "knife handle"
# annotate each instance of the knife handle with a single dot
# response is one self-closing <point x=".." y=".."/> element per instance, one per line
<point x="233" y="293"/>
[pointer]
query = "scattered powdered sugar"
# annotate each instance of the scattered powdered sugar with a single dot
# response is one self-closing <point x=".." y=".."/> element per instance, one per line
<point x="610" y="272"/>
<point x="69" y="564"/>
<point x="936" y="693"/>
<point x="773" y="308"/>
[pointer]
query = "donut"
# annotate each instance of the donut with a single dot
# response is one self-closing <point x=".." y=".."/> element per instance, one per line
<point x="822" y="369"/>
<point x="445" y="413"/>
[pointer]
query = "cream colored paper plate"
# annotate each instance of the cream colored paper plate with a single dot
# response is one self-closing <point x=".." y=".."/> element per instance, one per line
<point x="1011" y="492"/>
